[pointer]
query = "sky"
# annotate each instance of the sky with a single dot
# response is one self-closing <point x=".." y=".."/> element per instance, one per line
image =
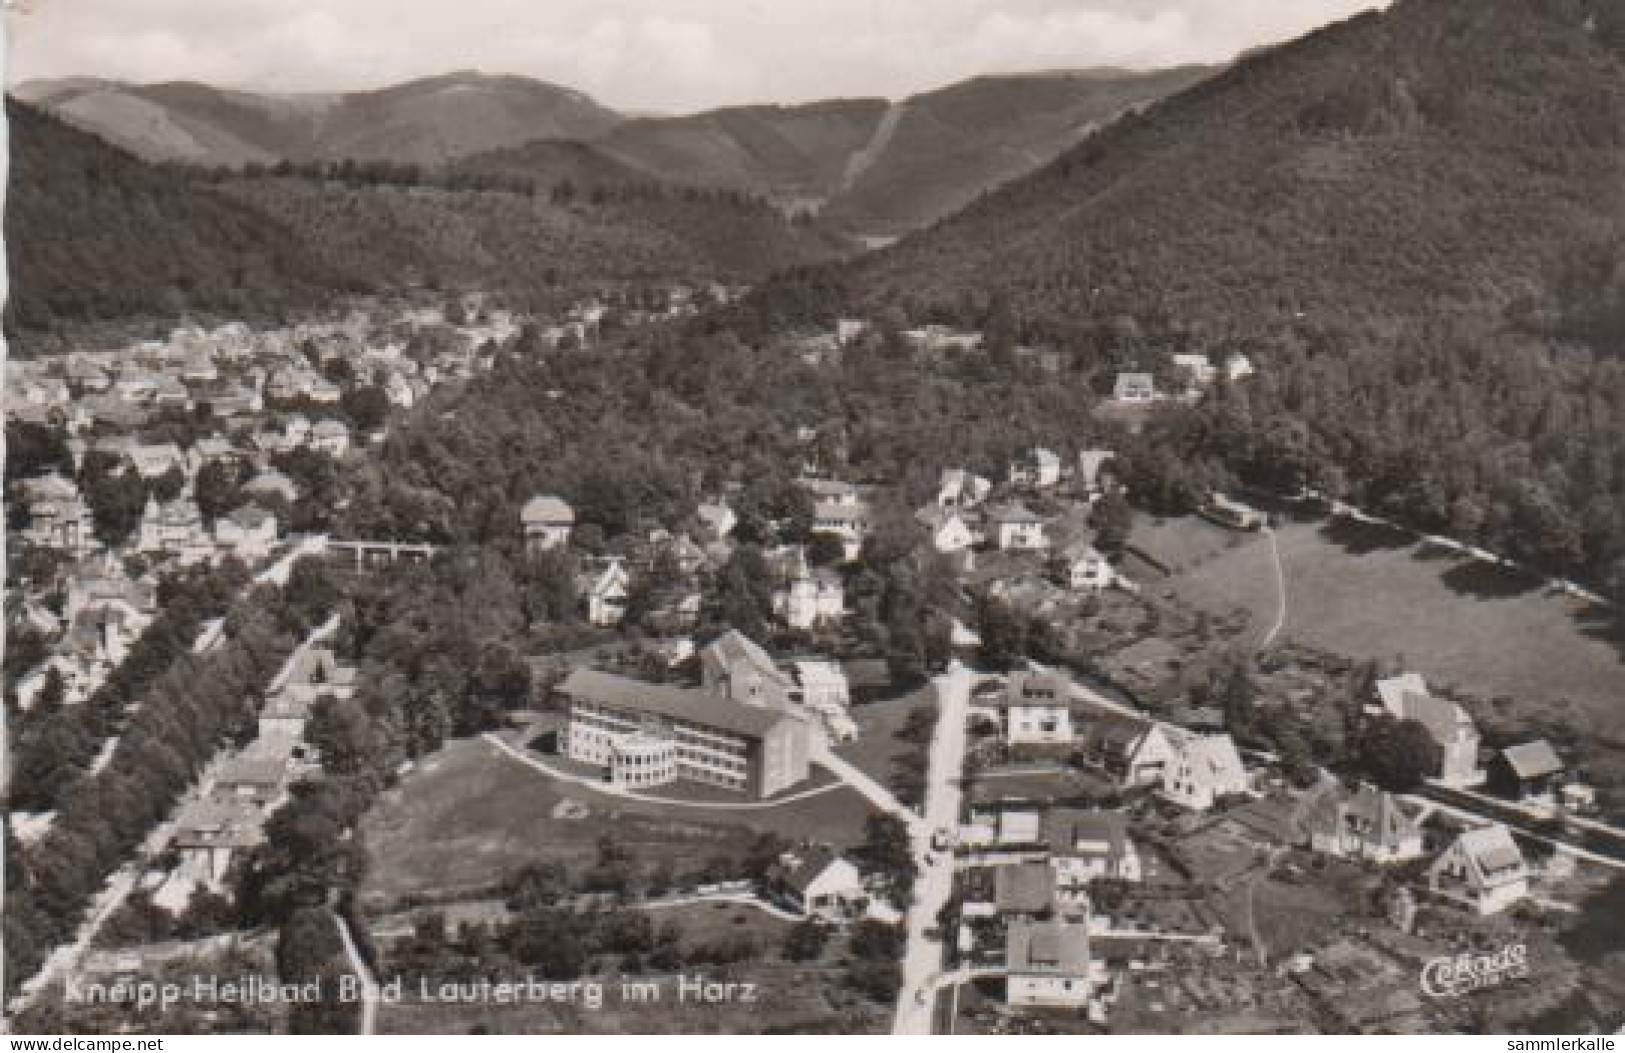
<point x="667" y="56"/>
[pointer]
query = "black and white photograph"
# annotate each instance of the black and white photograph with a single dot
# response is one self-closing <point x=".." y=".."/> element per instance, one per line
<point x="814" y="517"/>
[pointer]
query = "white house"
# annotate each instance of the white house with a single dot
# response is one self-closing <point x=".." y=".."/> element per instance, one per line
<point x="822" y="688"/>
<point x="1086" y="846"/>
<point x="1204" y="769"/>
<point x="947" y="529"/>
<point x="1090" y="469"/>
<point x="249" y="531"/>
<point x="1038" y="468"/>
<point x="272" y="483"/>
<point x="330" y="436"/>
<point x="1037" y="709"/>
<point x="718" y="518"/>
<point x="821" y="883"/>
<point x="1084" y="567"/>
<point x="1015" y="527"/>
<point x="1482" y="870"/>
<point x="1369" y="825"/>
<point x="174" y="529"/>
<point x="961" y="489"/>
<point x="1406" y="697"/>
<point x="1048" y="964"/>
<point x="607" y="590"/>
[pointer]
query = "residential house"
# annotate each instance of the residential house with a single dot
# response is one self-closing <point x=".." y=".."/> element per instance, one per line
<point x="1482" y="870"/>
<point x="272" y="484"/>
<point x="1090" y="845"/>
<point x="330" y="436"/>
<point x="606" y="589"/>
<point x="176" y="529"/>
<point x="547" y="521"/>
<point x="1198" y="368"/>
<point x="848" y="519"/>
<point x="210" y="833"/>
<point x="1015" y="527"/>
<point x="961" y="489"/>
<point x="1525" y="772"/>
<point x="1037" y="468"/>
<point x="1134" y="752"/>
<point x="1370" y="825"/>
<point x="58" y="516"/>
<point x="249" y="532"/>
<point x="152" y="460"/>
<point x="735" y="667"/>
<point x="811" y="599"/>
<point x="1048" y="964"/>
<point x="1406" y="697"/>
<point x="1024" y="889"/>
<point x="1037" y="709"/>
<point x="1092" y="470"/>
<point x="823" y="691"/>
<point x="1228" y="512"/>
<point x="718" y="518"/>
<point x="1083" y="567"/>
<point x="1134" y="388"/>
<point x="820" y="883"/>
<point x="1204" y="769"/>
<point x="947" y="529"/>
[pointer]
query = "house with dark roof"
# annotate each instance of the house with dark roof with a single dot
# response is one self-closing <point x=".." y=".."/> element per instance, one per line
<point x="1406" y="697"/>
<point x="1527" y="771"/>
<point x="820" y="882"/>
<point x="1369" y="824"/>
<point x="1048" y="964"/>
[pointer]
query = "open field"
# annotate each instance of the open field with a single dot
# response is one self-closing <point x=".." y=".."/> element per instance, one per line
<point x="880" y="750"/>
<point x="1373" y="595"/>
<point x="469" y="816"/>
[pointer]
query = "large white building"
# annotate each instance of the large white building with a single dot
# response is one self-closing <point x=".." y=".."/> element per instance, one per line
<point x="647" y="735"/>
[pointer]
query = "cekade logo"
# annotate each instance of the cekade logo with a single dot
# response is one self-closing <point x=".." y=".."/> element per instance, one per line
<point x="1449" y="977"/>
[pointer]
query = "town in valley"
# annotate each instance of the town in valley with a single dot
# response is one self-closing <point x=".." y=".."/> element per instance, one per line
<point x="601" y="636"/>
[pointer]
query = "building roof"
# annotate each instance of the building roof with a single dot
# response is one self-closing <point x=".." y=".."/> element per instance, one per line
<point x="1531" y="760"/>
<point x="808" y="867"/>
<point x="1047" y="946"/>
<point x="547" y="508"/>
<point x="1065" y="829"/>
<point x="1014" y="513"/>
<point x="734" y="650"/>
<point x="684" y="704"/>
<point x="1491" y="848"/>
<point x="1024" y="888"/>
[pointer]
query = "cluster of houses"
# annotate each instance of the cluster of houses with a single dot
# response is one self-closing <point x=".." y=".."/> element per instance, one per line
<point x="1186" y="376"/>
<point x="228" y="816"/>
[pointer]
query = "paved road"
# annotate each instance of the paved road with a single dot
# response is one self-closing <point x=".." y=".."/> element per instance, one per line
<point x="369" y="984"/>
<point x="922" y="958"/>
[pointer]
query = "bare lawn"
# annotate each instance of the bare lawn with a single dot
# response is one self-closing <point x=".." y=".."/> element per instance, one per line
<point x="1467" y="627"/>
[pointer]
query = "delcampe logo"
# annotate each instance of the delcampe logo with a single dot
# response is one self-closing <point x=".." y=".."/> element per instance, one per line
<point x="1452" y="977"/>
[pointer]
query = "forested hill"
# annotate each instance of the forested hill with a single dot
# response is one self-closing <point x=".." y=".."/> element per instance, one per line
<point x="101" y="240"/>
<point x="1443" y="154"/>
<point x="93" y="235"/>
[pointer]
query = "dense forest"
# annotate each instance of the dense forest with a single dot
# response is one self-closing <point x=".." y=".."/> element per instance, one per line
<point x="92" y="235"/>
<point x="1411" y="224"/>
<point x="98" y="237"/>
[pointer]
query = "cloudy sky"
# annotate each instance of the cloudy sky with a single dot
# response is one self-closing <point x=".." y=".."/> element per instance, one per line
<point x="665" y="55"/>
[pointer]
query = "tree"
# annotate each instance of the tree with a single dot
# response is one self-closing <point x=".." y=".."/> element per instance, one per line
<point x="1113" y="520"/>
<point x="219" y="487"/>
<point x="806" y="940"/>
<point x="366" y="406"/>
<point x="1398" y="754"/>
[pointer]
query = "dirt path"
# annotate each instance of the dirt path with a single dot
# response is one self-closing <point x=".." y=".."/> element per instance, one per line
<point x="1280" y="590"/>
